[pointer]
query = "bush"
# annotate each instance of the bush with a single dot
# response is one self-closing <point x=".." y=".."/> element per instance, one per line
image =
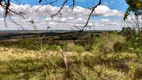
<point x="138" y="72"/>
<point x="105" y="43"/>
<point x="51" y="47"/>
<point x="78" y="48"/>
<point x="135" y="45"/>
<point x="26" y="43"/>
<point x="119" y="47"/>
<point x="105" y="73"/>
<point x="63" y="45"/>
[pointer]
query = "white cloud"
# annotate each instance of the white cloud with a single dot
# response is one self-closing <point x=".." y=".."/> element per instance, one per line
<point x="133" y="21"/>
<point x="106" y="11"/>
<point x="42" y="17"/>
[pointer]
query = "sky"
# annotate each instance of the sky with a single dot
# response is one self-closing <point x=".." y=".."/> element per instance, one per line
<point x="107" y="16"/>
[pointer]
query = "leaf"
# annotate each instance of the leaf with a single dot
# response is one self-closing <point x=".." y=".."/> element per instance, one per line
<point x="129" y="9"/>
<point x="138" y="5"/>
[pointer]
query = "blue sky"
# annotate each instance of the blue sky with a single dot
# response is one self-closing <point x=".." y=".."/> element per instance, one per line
<point x="112" y="4"/>
<point x="109" y="13"/>
<point x="119" y="5"/>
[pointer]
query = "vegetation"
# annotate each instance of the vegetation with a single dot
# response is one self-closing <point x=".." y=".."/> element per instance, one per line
<point x="27" y="64"/>
<point x="107" y="56"/>
<point x="134" y="6"/>
<point x="111" y="56"/>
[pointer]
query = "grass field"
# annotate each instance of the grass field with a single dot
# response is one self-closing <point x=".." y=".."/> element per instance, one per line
<point x="19" y="64"/>
<point x="109" y="56"/>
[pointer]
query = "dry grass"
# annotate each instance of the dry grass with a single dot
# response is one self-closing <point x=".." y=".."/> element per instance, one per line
<point x="20" y="64"/>
<point x="14" y="53"/>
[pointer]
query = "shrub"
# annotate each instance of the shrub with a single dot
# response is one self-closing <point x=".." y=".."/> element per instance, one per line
<point x="46" y="46"/>
<point x="138" y="73"/>
<point x="105" y="73"/>
<point x="105" y="43"/>
<point x="88" y="47"/>
<point x="78" y="48"/>
<point x="26" y="43"/>
<point x="63" y="45"/>
<point x="51" y="47"/>
<point x="119" y="47"/>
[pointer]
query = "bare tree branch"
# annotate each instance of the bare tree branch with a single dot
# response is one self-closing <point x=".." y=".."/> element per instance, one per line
<point x="5" y="4"/>
<point x="40" y="1"/>
<point x="59" y="11"/>
<point x="92" y="10"/>
<point x="17" y="24"/>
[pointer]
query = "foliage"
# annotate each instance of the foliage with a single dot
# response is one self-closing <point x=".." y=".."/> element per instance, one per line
<point x="134" y="6"/>
<point x="63" y="45"/>
<point x="120" y="47"/>
<point x="51" y="47"/>
<point x="138" y="72"/>
<point x="78" y="48"/>
<point x="105" y="43"/>
<point x="122" y="61"/>
<point x="128" y="32"/>
<point x="117" y="64"/>
<point x="133" y="41"/>
<point x="82" y="66"/>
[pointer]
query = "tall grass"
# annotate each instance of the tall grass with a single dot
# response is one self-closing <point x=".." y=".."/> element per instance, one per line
<point x="105" y="61"/>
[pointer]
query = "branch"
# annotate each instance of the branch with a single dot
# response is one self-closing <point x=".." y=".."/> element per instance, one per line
<point x="8" y="10"/>
<point x="48" y="3"/>
<point x="15" y="22"/>
<point x="59" y="11"/>
<point x="5" y="4"/>
<point x="92" y="10"/>
<point x="66" y="64"/>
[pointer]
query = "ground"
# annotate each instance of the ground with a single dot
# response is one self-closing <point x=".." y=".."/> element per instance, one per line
<point x="22" y="64"/>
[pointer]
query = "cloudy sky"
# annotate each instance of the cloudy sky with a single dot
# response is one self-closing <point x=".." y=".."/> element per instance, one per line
<point x="108" y="16"/>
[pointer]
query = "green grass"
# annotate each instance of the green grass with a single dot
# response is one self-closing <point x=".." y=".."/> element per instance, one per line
<point x="83" y="66"/>
<point x="97" y="61"/>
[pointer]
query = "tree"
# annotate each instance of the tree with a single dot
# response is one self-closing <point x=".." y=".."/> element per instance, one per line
<point x="5" y="4"/>
<point x="133" y="5"/>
